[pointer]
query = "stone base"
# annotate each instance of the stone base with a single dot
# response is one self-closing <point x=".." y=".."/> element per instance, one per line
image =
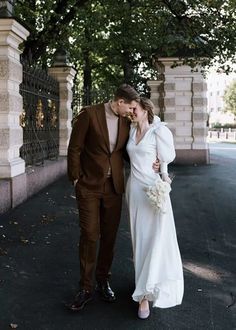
<point x="190" y="157"/>
<point x="13" y="168"/>
<point x="16" y="190"/>
<point x="5" y="193"/>
<point x="41" y="176"/>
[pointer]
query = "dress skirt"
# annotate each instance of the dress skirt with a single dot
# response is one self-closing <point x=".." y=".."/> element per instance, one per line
<point x="157" y="260"/>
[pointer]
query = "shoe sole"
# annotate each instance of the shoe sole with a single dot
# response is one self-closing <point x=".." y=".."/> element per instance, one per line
<point x="143" y="317"/>
<point x="108" y="300"/>
<point x="79" y="308"/>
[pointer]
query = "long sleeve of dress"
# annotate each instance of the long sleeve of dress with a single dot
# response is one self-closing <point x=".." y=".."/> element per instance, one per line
<point x="165" y="147"/>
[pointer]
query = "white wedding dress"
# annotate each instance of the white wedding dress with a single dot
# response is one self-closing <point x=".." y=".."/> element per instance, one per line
<point x="157" y="260"/>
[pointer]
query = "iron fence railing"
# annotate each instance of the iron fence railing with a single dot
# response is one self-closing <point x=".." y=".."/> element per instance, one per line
<point x="83" y="97"/>
<point x="40" y="116"/>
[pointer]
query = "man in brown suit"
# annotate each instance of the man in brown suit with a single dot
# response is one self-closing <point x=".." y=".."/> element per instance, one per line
<point x="95" y="166"/>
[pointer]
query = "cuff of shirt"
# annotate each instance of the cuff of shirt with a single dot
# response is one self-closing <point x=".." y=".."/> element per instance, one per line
<point x="164" y="167"/>
<point x="74" y="182"/>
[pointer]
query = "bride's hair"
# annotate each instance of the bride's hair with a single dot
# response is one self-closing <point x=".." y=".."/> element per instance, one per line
<point x="147" y="105"/>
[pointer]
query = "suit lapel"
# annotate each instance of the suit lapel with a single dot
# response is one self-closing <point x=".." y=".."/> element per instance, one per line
<point x="101" y="116"/>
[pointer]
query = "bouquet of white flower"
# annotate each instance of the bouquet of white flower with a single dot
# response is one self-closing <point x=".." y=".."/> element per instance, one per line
<point x="158" y="193"/>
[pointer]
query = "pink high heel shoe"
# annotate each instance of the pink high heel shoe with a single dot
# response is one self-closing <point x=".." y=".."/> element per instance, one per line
<point x="143" y="313"/>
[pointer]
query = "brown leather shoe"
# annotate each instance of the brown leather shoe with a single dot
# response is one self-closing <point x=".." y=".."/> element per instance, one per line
<point x="105" y="291"/>
<point x="81" y="299"/>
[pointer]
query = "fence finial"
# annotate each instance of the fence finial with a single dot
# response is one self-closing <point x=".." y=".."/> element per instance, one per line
<point x="61" y="57"/>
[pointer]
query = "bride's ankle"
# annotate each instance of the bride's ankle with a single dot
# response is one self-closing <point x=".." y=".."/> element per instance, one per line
<point x="144" y="304"/>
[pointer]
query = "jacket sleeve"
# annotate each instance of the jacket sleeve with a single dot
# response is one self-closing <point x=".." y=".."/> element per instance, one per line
<point x="76" y="144"/>
<point x="165" y="147"/>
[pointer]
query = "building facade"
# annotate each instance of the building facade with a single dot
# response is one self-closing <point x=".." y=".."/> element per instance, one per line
<point x="217" y="83"/>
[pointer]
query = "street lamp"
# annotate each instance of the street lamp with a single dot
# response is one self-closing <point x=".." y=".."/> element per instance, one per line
<point x="6" y="8"/>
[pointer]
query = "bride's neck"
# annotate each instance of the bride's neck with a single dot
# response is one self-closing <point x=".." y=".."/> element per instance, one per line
<point x="143" y="126"/>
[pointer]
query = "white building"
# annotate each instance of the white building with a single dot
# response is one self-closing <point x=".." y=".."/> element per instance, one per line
<point x="216" y="86"/>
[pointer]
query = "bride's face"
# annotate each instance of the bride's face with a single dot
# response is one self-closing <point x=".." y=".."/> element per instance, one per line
<point x="139" y="114"/>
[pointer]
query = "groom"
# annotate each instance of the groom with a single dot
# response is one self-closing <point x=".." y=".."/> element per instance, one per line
<point x="95" y="166"/>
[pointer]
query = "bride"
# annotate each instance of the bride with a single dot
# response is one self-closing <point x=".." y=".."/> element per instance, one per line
<point x="157" y="260"/>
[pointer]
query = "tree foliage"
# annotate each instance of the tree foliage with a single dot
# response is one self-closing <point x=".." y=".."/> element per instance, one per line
<point x="114" y="41"/>
<point x="48" y="23"/>
<point x="230" y="98"/>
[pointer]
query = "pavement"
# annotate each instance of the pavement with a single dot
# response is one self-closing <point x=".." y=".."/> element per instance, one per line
<point x="39" y="269"/>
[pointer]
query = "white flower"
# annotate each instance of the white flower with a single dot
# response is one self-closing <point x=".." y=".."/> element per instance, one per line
<point x="158" y="194"/>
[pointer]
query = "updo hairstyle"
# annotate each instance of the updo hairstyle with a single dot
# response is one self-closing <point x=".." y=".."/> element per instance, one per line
<point x="148" y="106"/>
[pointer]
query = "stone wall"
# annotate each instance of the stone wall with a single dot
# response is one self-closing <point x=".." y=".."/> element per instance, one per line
<point x="17" y="183"/>
<point x="180" y="98"/>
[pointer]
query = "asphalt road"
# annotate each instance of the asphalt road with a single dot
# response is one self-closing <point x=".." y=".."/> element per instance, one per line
<point x="222" y="151"/>
<point x="40" y="270"/>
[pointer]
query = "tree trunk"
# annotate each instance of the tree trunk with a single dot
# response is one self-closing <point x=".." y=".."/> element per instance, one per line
<point x="128" y="68"/>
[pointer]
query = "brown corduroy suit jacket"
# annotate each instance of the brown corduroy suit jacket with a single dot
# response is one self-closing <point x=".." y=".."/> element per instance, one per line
<point x="89" y="155"/>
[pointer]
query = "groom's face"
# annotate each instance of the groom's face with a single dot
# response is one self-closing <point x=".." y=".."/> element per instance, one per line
<point x="126" y="109"/>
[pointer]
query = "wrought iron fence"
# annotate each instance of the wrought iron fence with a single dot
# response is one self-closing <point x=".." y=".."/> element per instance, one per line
<point x="40" y="116"/>
<point x="85" y="97"/>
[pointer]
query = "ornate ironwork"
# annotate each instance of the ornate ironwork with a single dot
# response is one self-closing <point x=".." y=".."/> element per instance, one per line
<point x="53" y="110"/>
<point x="85" y="97"/>
<point x="39" y="119"/>
<point x="39" y="114"/>
<point x="23" y="119"/>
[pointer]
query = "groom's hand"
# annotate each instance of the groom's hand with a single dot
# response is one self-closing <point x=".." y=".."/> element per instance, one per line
<point x="156" y="166"/>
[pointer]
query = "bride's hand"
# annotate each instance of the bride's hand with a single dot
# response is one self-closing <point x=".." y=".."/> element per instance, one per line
<point x="165" y="177"/>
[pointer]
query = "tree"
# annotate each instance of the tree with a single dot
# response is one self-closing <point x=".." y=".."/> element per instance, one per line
<point x="115" y="41"/>
<point x="48" y="23"/>
<point x="230" y="98"/>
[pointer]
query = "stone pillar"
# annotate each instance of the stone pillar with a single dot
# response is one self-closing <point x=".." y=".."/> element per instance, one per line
<point x="156" y="87"/>
<point x="183" y="104"/>
<point x="12" y="34"/>
<point x="200" y="129"/>
<point x="65" y="76"/>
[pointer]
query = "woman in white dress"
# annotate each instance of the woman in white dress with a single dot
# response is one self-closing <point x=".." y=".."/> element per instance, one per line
<point x="157" y="260"/>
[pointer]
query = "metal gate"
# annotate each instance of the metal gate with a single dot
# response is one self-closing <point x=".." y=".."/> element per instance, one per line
<point x="40" y="116"/>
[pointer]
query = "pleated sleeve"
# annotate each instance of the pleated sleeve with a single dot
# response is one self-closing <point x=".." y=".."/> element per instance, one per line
<point x="165" y="147"/>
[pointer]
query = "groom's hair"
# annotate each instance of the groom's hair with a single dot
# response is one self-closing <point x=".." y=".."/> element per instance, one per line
<point x="127" y="93"/>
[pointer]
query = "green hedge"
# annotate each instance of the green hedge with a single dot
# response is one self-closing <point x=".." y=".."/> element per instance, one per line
<point x="217" y="126"/>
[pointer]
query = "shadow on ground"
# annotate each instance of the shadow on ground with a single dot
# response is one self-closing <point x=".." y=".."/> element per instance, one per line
<point x="40" y="269"/>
